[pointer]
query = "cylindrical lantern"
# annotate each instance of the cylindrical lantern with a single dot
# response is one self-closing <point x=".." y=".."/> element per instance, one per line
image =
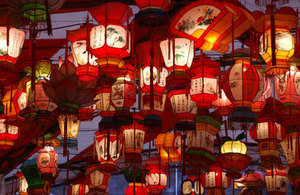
<point x="224" y="105"/>
<point x="47" y="162"/>
<point x="72" y="123"/>
<point x="290" y="146"/>
<point x="233" y="158"/>
<point x="241" y="84"/>
<point x="111" y="139"/>
<point x="277" y="181"/>
<point x="96" y="179"/>
<point x="156" y="178"/>
<point x="159" y="82"/>
<point x="78" y="189"/>
<point x="8" y="135"/>
<point x="275" y="29"/>
<point x="191" y="186"/>
<point x="215" y="180"/>
<point x="181" y="59"/>
<point x="23" y="185"/>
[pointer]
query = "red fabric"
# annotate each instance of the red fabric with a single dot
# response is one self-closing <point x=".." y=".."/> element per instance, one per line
<point x="144" y="4"/>
<point x="138" y="190"/>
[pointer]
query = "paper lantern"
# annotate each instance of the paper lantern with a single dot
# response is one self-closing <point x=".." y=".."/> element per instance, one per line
<point x="233" y="158"/>
<point x="259" y="101"/>
<point x="8" y="134"/>
<point x="96" y="179"/>
<point x="253" y="182"/>
<point x="23" y="185"/>
<point x="111" y="139"/>
<point x="156" y="178"/>
<point x="136" y="179"/>
<point x="191" y="186"/>
<point x="47" y="162"/>
<point x="183" y="107"/>
<point x="156" y="4"/>
<point x="14" y="101"/>
<point x="277" y="181"/>
<point x="282" y="21"/>
<point x="184" y="53"/>
<point x="200" y="143"/>
<point x="224" y="105"/>
<point x="290" y="147"/>
<point x="241" y="84"/>
<point x="159" y="82"/>
<point x="204" y="83"/>
<point x="111" y="38"/>
<point x="86" y="113"/>
<point x="208" y="23"/>
<point x="78" y="189"/>
<point x="73" y="124"/>
<point x="215" y="180"/>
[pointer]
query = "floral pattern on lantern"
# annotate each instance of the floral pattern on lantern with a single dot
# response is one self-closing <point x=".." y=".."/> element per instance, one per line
<point x="191" y="186"/>
<point x="96" y="179"/>
<point x="47" y="162"/>
<point x="8" y="134"/>
<point x="73" y="124"/>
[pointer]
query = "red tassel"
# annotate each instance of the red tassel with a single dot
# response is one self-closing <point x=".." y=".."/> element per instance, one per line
<point x="151" y="78"/>
<point x="256" y="48"/>
<point x="88" y="38"/>
<point x="65" y="136"/>
<point x="169" y="168"/>
<point x="33" y="58"/>
<point x="251" y="45"/>
<point x="273" y="41"/>
<point x="108" y="146"/>
<point x="68" y="164"/>
<point x="48" y="18"/>
<point x="232" y="34"/>
<point x="264" y="36"/>
<point x="7" y="27"/>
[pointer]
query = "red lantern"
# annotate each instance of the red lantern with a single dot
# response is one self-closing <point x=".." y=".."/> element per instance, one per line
<point x="264" y="93"/>
<point x="47" y="162"/>
<point x="159" y="82"/>
<point x="8" y="134"/>
<point x="215" y="180"/>
<point x="97" y="180"/>
<point x="154" y="4"/>
<point x="224" y="105"/>
<point x="136" y="188"/>
<point x="111" y="139"/>
<point x="277" y="181"/>
<point x="87" y="113"/>
<point x="204" y="83"/>
<point x="191" y="186"/>
<point x="290" y="146"/>
<point x="253" y="182"/>
<point x="78" y="189"/>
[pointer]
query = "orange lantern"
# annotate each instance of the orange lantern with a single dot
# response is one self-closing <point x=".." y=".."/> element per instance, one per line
<point x="275" y="28"/>
<point x="8" y="134"/>
<point x="207" y="23"/>
<point x="97" y="180"/>
<point x="47" y="162"/>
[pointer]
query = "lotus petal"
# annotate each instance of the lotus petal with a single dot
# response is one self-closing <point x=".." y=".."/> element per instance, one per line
<point x="86" y="96"/>
<point x="56" y="77"/>
<point x="66" y="91"/>
<point x="68" y="67"/>
<point x="74" y="79"/>
<point x="50" y="91"/>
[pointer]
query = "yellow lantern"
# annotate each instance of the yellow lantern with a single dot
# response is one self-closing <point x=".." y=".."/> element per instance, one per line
<point x="73" y="124"/>
<point x="234" y="147"/>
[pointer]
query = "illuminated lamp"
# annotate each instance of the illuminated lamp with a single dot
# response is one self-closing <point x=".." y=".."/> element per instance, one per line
<point x="233" y="158"/>
<point x="111" y="139"/>
<point x="123" y="94"/>
<point x="136" y="179"/>
<point x="8" y="134"/>
<point x="252" y="181"/>
<point x="260" y="101"/>
<point x="73" y="124"/>
<point x="159" y="82"/>
<point x="204" y="83"/>
<point x="87" y="67"/>
<point x="110" y="40"/>
<point x="156" y="178"/>
<point x="23" y="185"/>
<point x="277" y="181"/>
<point x="224" y="105"/>
<point x="282" y="21"/>
<point x="191" y="186"/>
<point x="159" y="144"/>
<point x="14" y="101"/>
<point x="78" y="189"/>
<point x="215" y="180"/>
<point x="47" y="163"/>
<point x="86" y="113"/>
<point x="97" y="180"/>
<point x="241" y="84"/>
<point x="210" y="23"/>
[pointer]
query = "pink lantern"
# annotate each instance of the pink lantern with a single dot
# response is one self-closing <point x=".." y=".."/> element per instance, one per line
<point x="47" y="162"/>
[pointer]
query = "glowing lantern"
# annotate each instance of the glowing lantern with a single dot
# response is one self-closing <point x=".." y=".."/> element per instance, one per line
<point x="47" y="162"/>
<point x="110" y="41"/>
<point x="123" y="93"/>
<point x="156" y="4"/>
<point x="111" y="139"/>
<point x="87" y="67"/>
<point x="23" y="185"/>
<point x="290" y="147"/>
<point x="215" y="180"/>
<point x="204" y="83"/>
<point x="282" y="21"/>
<point x="169" y="146"/>
<point x="207" y="24"/>
<point x="233" y="158"/>
<point x="277" y="181"/>
<point x="86" y="113"/>
<point x="253" y="182"/>
<point x="184" y="108"/>
<point x="224" y="105"/>
<point x="184" y="53"/>
<point x="241" y="84"/>
<point x="191" y="186"/>
<point x="78" y="189"/>
<point x="200" y="143"/>
<point x="156" y="178"/>
<point x="73" y="124"/>
<point x="14" y="101"/>
<point x="8" y="135"/>
<point x="264" y="93"/>
<point x="136" y="179"/>
<point x="159" y="82"/>
<point x="96" y="179"/>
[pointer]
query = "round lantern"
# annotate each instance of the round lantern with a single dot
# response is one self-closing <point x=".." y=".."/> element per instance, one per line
<point x="184" y="53"/>
<point x="8" y="134"/>
<point x="108" y="158"/>
<point x="233" y="158"/>
<point x="184" y="108"/>
<point x="264" y="93"/>
<point x="72" y="123"/>
<point x="224" y="105"/>
<point x="136" y="179"/>
<point x="277" y="181"/>
<point x="156" y="178"/>
<point x="204" y="83"/>
<point x="78" y="189"/>
<point x="215" y="180"/>
<point x="275" y="28"/>
<point x="241" y="84"/>
<point x="86" y="113"/>
<point x="123" y="94"/>
<point x="97" y="180"/>
<point x="191" y="186"/>
<point x="23" y="185"/>
<point x="47" y="162"/>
